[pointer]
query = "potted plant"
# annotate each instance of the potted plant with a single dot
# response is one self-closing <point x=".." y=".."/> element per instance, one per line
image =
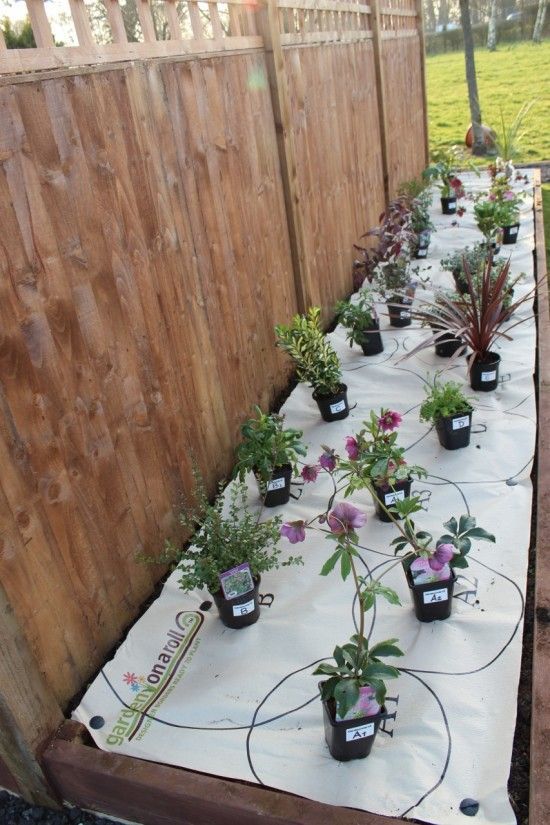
<point x="395" y="240"/>
<point x="508" y="210"/>
<point x="444" y="173"/>
<point x="360" y="320"/>
<point x="430" y="568"/>
<point x="230" y="551"/>
<point x="316" y="362"/>
<point x="446" y="344"/>
<point x="393" y="279"/>
<point x="488" y="217"/>
<point x="480" y="318"/>
<point x="270" y="451"/>
<point x="354" y="692"/>
<point x="450" y="411"/>
<point x="418" y="197"/>
<point x="474" y="257"/>
<point x="376" y="462"/>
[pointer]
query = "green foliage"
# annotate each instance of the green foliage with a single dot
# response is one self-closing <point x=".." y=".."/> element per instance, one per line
<point x="490" y="216"/>
<point x="357" y="317"/>
<point x="19" y="36"/>
<point x="444" y="400"/>
<point x="266" y="445"/>
<point x="474" y="256"/>
<point x="510" y="134"/>
<point x="392" y="277"/>
<point x="316" y="361"/>
<point x="444" y="171"/>
<point x="225" y="540"/>
<point x="357" y="666"/>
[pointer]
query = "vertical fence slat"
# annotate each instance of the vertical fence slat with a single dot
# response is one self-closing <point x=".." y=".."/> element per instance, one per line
<point x="172" y="18"/>
<point x="195" y="17"/>
<point x="217" y="28"/>
<point x="116" y="21"/>
<point x="2" y="41"/>
<point x="422" y="43"/>
<point x="81" y="23"/>
<point x="146" y="21"/>
<point x="40" y="24"/>
<point x="380" y="90"/>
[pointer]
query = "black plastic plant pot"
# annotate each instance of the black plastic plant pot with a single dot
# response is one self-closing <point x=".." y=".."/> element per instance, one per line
<point x="484" y="373"/>
<point x="446" y="346"/>
<point x="423" y="243"/>
<point x="510" y="233"/>
<point x="278" y="488"/>
<point x="333" y="407"/>
<point x="240" y="611"/>
<point x="352" y="739"/>
<point x="389" y="495"/>
<point x="460" y="281"/>
<point x="372" y="340"/>
<point x="399" y="308"/>
<point x="454" y="431"/>
<point x="495" y="248"/>
<point x="448" y="206"/>
<point x="432" y="602"/>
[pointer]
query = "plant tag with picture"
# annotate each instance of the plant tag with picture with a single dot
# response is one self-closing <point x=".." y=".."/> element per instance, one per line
<point x="489" y="376"/>
<point x="391" y="498"/>
<point x="237" y="582"/>
<point x="461" y="423"/>
<point x="276" y="484"/>
<point x="405" y="313"/>
<point x="340" y="406"/>
<point x="244" y="609"/>
<point x="361" y="732"/>
<point x="434" y="596"/>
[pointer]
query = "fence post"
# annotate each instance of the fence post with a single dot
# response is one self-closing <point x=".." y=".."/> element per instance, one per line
<point x="380" y="91"/>
<point x="29" y="713"/>
<point x="422" y="42"/>
<point x="268" y="27"/>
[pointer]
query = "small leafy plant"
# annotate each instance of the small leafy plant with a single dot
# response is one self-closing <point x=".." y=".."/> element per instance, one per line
<point x="316" y="360"/>
<point x="395" y="243"/>
<point x="444" y="173"/>
<point x="488" y="216"/>
<point x="357" y="317"/>
<point x="444" y="400"/>
<point x="267" y="444"/>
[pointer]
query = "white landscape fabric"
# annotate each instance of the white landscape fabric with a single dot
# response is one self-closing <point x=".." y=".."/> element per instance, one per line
<point x="243" y="703"/>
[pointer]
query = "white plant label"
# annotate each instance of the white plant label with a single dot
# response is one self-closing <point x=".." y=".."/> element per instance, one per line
<point x="422" y="252"/>
<point x="451" y="207"/>
<point x="391" y="498"/>
<point x="489" y="376"/>
<point x="275" y="484"/>
<point x="340" y="406"/>
<point x="243" y="609"/>
<point x="461" y="423"/>
<point x="513" y="231"/>
<point x="433" y="596"/>
<point x="405" y="313"/>
<point x="354" y="734"/>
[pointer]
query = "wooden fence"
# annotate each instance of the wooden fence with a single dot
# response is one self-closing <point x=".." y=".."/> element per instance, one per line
<point x="163" y="204"/>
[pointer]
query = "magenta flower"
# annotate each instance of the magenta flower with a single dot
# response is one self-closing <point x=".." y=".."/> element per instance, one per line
<point x="328" y="461"/>
<point x="492" y="197"/>
<point x="310" y="472"/>
<point x="352" y="447"/>
<point x="456" y="183"/>
<point x="294" y="531"/>
<point x="442" y="556"/>
<point x="461" y="211"/>
<point x="389" y="421"/>
<point x="345" y="517"/>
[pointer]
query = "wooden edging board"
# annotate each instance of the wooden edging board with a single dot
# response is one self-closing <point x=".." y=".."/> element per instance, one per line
<point x="153" y="794"/>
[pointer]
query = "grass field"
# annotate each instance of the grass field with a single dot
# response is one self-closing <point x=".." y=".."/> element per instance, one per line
<point x="515" y="73"/>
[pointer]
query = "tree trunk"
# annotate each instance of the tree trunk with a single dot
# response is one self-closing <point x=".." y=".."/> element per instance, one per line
<point x="492" y="29"/>
<point x="539" y="22"/>
<point x="478" y="146"/>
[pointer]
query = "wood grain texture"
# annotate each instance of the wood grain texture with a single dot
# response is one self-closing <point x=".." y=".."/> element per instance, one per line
<point x="143" y="233"/>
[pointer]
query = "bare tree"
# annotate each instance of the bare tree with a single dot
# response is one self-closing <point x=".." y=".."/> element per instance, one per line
<point x="539" y="22"/>
<point x="478" y="146"/>
<point x="492" y="29"/>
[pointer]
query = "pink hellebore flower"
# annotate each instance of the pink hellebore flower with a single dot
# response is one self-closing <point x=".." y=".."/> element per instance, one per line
<point x="352" y="448"/>
<point x="294" y="531"/>
<point x="345" y="517"/>
<point x="327" y="461"/>
<point x="310" y="472"/>
<point x="389" y="421"/>
<point x="442" y="556"/>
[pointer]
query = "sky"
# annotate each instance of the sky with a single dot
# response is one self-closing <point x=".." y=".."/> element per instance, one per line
<point x="58" y="12"/>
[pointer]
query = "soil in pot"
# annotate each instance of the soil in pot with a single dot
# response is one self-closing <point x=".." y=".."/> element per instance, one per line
<point x="372" y="340"/>
<point x="388" y="495"/>
<point x="333" y="407"/>
<point x="510" y="233"/>
<point x="399" y="308"/>
<point x="454" y="431"/>
<point x="448" y="206"/>
<point x="352" y="739"/>
<point x="484" y="372"/>
<point x="277" y="489"/>
<point x="240" y="611"/>
<point x="432" y="601"/>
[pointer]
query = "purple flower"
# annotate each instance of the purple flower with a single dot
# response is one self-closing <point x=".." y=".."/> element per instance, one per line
<point x="310" y="472"/>
<point x="352" y="447"/>
<point x="294" y="531"/>
<point x="442" y="556"/>
<point x="389" y="421"/>
<point x="508" y="196"/>
<point x="328" y="461"/>
<point x="345" y="517"/>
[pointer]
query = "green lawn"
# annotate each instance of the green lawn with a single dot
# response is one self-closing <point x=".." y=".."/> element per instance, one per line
<point x="514" y="74"/>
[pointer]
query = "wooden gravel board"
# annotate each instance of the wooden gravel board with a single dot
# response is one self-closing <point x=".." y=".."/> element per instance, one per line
<point x="539" y="797"/>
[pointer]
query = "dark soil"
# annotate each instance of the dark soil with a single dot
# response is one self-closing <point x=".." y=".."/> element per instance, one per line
<point x="14" y="811"/>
